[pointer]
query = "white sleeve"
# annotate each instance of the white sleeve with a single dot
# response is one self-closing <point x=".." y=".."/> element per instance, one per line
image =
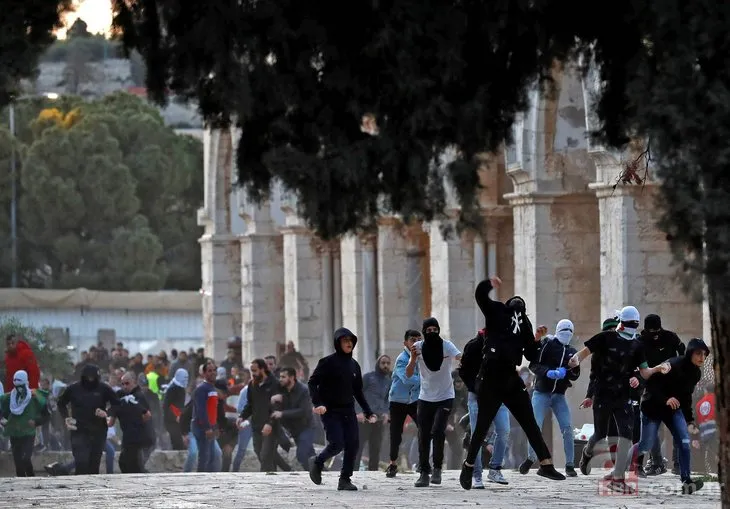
<point x="451" y="349"/>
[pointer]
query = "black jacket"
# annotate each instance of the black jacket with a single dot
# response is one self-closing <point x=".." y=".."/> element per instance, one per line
<point x="296" y="408"/>
<point x="337" y="380"/>
<point x="679" y="383"/>
<point x="84" y="399"/>
<point x="186" y="418"/>
<point x="173" y="403"/>
<point x="661" y="346"/>
<point x="552" y="355"/>
<point x="471" y="361"/>
<point x="509" y="333"/>
<point x="258" y="405"/>
<point x="131" y="408"/>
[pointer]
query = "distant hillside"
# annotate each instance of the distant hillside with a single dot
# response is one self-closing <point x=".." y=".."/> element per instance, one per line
<point x="103" y="77"/>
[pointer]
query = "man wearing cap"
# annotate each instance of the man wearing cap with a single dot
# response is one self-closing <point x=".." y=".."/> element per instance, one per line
<point x="552" y="379"/>
<point x="659" y="345"/>
<point x="668" y="399"/>
<point x="619" y="356"/>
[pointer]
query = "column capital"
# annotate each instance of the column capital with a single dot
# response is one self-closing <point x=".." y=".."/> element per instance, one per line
<point x="368" y="239"/>
<point x="604" y="190"/>
<point x="294" y="229"/>
<point x="533" y="198"/>
<point x="220" y="238"/>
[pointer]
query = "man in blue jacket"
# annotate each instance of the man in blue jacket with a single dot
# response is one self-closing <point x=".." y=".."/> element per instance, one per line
<point x="552" y="379"/>
<point x="403" y="398"/>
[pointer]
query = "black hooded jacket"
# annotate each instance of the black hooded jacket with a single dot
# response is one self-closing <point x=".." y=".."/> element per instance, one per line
<point x="258" y="405"/>
<point x="84" y="397"/>
<point x="509" y="333"/>
<point x="337" y="380"/>
<point x="660" y="346"/>
<point x="679" y="383"/>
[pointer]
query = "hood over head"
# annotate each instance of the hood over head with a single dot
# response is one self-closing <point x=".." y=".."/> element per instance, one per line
<point x="181" y="378"/>
<point x="340" y="333"/>
<point x="90" y="376"/>
<point x="516" y="303"/>
<point x="430" y="322"/>
<point x="629" y="318"/>
<point x="433" y="345"/>
<point x="694" y="345"/>
<point x="220" y="373"/>
<point x="564" y="331"/>
<point x="652" y="322"/>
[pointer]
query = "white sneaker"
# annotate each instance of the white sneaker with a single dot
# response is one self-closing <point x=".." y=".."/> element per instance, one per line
<point x="496" y="476"/>
<point x="477" y="483"/>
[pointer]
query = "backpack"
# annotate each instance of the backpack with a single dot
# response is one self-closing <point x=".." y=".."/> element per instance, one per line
<point x="471" y="362"/>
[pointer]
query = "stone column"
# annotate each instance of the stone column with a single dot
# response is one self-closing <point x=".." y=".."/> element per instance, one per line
<point x="535" y="244"/>
<point x="370" y="339"/>
<point x="482" y="267"/>
<point x="262" y="283"/>
<point x="336" y="287"/>
<point x="394" y="296"/>
<point x="636" y="261"/>
<point x="220" y="245"/>
<point x="452" y="284"/>
<point x="416" y="277"/>
<point x="303" y="293"/>
<point x="352" y="290"/>
<point x="328" y="319"/>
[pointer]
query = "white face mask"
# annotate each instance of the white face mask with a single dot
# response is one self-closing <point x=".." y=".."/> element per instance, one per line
<point x="627" y="333"/>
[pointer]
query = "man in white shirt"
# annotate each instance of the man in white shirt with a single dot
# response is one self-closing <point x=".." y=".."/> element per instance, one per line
<point x="434" y="357"/>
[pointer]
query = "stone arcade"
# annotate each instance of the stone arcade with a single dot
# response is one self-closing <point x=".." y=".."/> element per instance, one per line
<point x="557" y="232"/>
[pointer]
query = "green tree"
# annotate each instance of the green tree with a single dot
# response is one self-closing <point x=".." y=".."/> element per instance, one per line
<point x="52" y="360"/>
<point x="76" y="192"/>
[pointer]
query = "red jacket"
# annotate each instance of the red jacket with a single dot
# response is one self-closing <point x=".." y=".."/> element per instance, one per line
<point x="23" y="359"/>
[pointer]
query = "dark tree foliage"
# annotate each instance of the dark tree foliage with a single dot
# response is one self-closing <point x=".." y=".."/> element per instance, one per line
<point x="26" y="30"/>
<point x="299" y="75"/>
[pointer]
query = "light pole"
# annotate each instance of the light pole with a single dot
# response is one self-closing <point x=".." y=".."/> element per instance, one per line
<point x="14" y="189"/>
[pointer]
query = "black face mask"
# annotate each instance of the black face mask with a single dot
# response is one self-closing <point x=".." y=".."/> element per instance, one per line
<point x="517" y="304"/>
<point x="90" y="383"/>
<point x="430" y="336"/>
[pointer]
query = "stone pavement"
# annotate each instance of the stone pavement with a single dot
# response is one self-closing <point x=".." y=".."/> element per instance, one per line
<point x="259" y="490"/>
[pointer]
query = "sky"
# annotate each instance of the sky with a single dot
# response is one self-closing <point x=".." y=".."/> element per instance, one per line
<point x="96" y="13"/>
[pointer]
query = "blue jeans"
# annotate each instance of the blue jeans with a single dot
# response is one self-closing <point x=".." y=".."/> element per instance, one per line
<point x="109" y="452"/>
<point x="501" y="432"/>
<point x="214" y="461"/>
<point x="305" y="446"/>
<point x="541" y="401"/>
<point x="244" y="438"/>
<point x="678" y="426"/>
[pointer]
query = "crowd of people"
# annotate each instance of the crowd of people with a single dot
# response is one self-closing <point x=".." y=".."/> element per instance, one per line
<point x="435" y="406"/>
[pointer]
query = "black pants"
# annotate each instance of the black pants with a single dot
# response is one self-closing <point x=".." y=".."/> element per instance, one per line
<point x="87" y="448"/>
<point x="504" y="386"/>
<point x="22" y="448"/>
<point x="131" y="459"/>
<point x="266" y="449"/>
<point x="342" y="435"/>
<point x="398" y="414"/>
<point x="176" y="438"/>
<point x="610" y="418"/>
<point x="433" y="416"/>
<point x="373" y="435"/>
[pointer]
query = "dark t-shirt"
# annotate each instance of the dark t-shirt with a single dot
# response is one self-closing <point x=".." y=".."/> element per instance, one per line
<point x="616" y="359"/>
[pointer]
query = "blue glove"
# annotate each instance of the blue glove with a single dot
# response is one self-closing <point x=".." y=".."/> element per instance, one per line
<point x="553" y="374"/>
<point x="561" y="372"/>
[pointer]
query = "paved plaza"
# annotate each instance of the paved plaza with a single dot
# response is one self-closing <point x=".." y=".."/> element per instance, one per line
<point x="258" y="490"/>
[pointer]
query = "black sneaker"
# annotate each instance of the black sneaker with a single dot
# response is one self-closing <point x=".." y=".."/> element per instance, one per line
<point x="675" y="470"/>
<point x="689" y="487"/>
<point x="549" y="472"/>
<point x="655" y="470"/>
<point x="570" y="471"/>
<point x="466" y="475"/>
<point x="391" y="470"/>
<point x="620" y="486"/>
<point x="525" y="466"/>
<point x="52" y="469"/>
<point x="585" y="463"/>
<point x="436" y="476"/>
<point x="315" y="471"/>
<point x="345" y="484"/>
<point x="423" y="480"/>
<point x="640" y="472"/>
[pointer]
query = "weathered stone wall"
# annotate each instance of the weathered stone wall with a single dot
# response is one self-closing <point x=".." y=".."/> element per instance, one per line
<point x="303" y="291"/>
<point x="452" y="284"/>
<point x="393" y="285"/>
<point x="352" y="289"/>
<point x="262" y="294"/>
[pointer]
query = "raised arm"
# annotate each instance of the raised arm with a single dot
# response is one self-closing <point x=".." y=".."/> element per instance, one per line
<point x="489" y="308"/>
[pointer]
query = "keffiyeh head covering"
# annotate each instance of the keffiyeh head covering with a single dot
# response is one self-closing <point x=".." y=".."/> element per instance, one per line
<point x="20" y="395"/>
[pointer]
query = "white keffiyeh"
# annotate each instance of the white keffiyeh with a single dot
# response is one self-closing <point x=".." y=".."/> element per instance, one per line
<point x="20" y="396"/>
